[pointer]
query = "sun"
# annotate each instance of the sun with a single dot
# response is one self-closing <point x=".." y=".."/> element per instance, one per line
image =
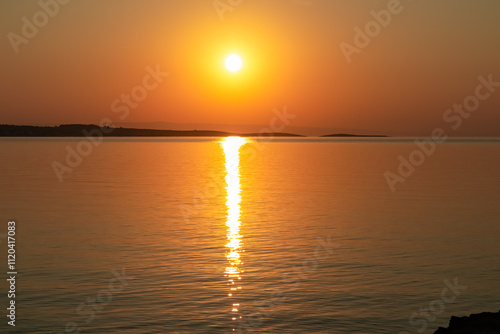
<point x="234" y="63"/>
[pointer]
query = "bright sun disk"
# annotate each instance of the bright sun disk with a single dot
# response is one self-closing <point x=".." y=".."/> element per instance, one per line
<point x="234" y="63"/>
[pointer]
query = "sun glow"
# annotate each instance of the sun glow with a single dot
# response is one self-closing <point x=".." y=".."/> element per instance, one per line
<point x="234" y="63"/>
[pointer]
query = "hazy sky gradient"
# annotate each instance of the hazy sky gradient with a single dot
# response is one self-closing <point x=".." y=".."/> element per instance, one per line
<point x="93" y="51"/>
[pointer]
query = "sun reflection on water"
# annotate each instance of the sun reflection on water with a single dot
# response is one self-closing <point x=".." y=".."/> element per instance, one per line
<point x="234" y="246"/>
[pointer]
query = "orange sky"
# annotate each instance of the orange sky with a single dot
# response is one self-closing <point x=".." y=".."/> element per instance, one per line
<point x="91" y="52"/>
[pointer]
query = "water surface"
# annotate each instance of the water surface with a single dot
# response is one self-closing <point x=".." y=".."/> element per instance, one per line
<point x="316" y="240"/>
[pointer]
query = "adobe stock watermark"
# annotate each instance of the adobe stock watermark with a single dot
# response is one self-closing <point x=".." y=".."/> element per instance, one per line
<point x="250" y="323"/>
<point x="429" y="314"/>
<point x="223" y="6"/>
<point x="91" y="306"/>
<point x="278" y="123"/>
<point x="454" y="117"/>
<point x="120" y="106"/>
<point x="31" y="27"/>
<point x="372" y="29"/>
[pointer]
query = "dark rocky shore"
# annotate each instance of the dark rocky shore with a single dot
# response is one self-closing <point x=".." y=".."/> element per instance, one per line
<point x="482" y="323"/>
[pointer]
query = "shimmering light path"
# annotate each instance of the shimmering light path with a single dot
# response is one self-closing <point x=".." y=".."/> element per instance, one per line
<point x="234" y="246"/>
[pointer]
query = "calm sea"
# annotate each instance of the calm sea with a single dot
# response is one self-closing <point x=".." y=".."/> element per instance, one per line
<point x="284" y="236"/>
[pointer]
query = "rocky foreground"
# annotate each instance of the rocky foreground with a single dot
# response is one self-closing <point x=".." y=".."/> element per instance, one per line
<point x="482" y="323"/>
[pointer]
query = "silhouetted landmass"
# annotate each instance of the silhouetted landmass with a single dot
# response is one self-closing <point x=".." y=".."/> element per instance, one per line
<point x="482" y="323"/>
<point x="83" y="130"/>
<point x="353" y="135"/>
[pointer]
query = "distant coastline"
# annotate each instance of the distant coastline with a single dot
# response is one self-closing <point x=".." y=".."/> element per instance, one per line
<point x="85" y="130"/>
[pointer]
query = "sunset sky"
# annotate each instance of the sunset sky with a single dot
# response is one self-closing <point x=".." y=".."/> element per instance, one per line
<point x="427" y="59"/>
